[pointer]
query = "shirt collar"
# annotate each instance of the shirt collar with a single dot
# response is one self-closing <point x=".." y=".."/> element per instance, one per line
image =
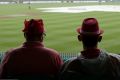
<point x="90" y="53"/>
<point x="33" y="43"/>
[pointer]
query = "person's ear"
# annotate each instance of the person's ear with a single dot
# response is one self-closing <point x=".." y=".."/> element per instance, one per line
<point x="99" y="38"/>
<point x="24" y="35"/>
<point x="79" y="37"/>
<point x="41" y="37"/>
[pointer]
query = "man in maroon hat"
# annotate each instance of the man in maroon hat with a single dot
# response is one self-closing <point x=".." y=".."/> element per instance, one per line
<point x="32" y="58"/>
<point x="93" y="63"/>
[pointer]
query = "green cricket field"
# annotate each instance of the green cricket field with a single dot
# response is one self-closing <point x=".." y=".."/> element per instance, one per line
<point x="60" y="28"/>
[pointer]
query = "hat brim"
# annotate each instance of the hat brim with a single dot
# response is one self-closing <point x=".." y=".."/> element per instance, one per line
<point x="79" y="30"/>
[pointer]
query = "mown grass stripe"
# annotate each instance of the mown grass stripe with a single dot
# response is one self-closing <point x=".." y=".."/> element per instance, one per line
<point x="60" y="27"/>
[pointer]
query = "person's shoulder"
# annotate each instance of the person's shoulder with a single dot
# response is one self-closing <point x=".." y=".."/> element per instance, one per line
<point x="114" y="55"/>
<point x="13" y="50"/>
<point x="9" y="53"/>
<point x="70" y="60"/>
<point x="51" y="51"/>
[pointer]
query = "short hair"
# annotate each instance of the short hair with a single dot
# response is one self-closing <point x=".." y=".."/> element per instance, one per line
<point x="90" y="41"/>
<point x="33" y="37"/>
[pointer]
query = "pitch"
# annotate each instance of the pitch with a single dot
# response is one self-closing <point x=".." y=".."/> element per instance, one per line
<point x="60" y="28"/>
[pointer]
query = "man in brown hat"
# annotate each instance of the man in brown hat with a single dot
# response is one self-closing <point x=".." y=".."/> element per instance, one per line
<point x="93" y="63"/>
<point x="32" y="58"/>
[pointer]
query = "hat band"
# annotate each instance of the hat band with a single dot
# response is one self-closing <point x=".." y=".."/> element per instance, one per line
<point x="90" y="33"/>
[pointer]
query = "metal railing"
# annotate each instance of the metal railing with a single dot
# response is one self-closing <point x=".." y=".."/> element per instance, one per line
<point x="64" y="56"/>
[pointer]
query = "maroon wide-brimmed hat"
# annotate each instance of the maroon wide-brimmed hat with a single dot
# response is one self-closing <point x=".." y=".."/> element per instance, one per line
<point x="90" y="27"/>
<point x="34" y="26"/>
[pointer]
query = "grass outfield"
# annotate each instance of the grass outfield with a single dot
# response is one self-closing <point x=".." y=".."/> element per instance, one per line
<point x="61" y="27"/>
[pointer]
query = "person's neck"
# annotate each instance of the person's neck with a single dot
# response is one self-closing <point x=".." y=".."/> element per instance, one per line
<point x="90" y="52"/>
<point x="34" y="40"/>
<point x="87" y="48"/>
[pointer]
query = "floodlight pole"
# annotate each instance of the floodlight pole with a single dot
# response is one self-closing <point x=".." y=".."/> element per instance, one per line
<point x="29" y="7"/>
<point x="100" y="1"/>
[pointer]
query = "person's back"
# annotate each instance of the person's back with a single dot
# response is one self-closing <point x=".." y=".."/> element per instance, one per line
<point x="32" y="58"/>
<point x="93" y="63"/>
<point x="79" y="68"/>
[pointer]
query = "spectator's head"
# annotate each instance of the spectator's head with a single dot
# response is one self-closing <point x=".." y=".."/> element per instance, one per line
<point x="89" y="32"/>
<point x="34" y="30"/>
